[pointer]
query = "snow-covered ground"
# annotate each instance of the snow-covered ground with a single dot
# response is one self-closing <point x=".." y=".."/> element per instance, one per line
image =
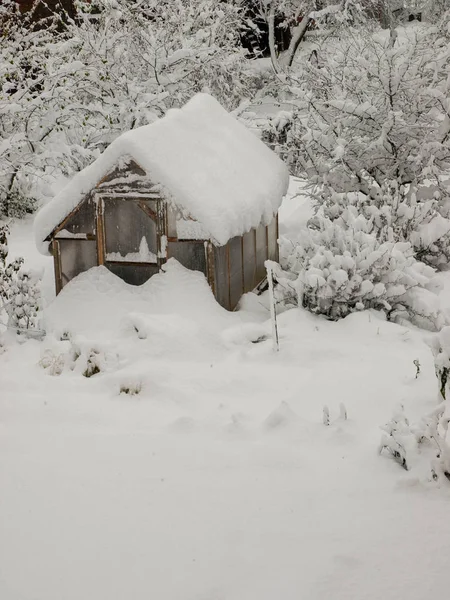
<point x="218" y="480"/>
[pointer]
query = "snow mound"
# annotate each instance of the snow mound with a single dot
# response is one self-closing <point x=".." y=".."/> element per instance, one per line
<point x="98" y="302"/>
<point x="212" y="167"/>
<point x="282" y="416"/>
<point x="246" y="333"/>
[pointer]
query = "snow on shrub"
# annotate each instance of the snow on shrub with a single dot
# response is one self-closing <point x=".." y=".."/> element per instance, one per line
<point x="66" y="93"/>
<point x="338" y="267"/>
<point x="19" y="290"/>
<point x="53" y="363"/>
<point x="80" y="355"/>
<point x="370" y="133"/>
<point x="17" y="204"/>
<point x="90" y="359"/>
<point x="393" y="214"/>
<point x="425" y="445"/>
<point x="440" y="346"/>
<point x="422" y="448"/>
<point x="131" y="387"/>
<point x="370" y="112"/>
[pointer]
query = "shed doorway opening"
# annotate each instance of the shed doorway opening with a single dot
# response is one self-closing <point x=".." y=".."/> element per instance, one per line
<point x="132" y="234"/>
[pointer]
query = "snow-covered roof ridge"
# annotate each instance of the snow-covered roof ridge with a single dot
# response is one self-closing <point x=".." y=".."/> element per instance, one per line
<point x="214" y="169"/>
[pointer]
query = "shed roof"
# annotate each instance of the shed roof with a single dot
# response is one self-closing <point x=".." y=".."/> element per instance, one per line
<point x="211" y="166"/>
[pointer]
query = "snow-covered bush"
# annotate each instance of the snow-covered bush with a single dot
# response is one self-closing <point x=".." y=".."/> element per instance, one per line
<point x="394" y="214"/>
<point x="19" y="290"/>
<point x="67" y="92"/>
<point x="371" y="135"/>
<point x="17" y="204"/>
<point x="372" y="130"/>
<point x="440" y="346"/>
<point x="338" y="267"/>
<point x="370" y="112"/>
<point x="422" y="447"/>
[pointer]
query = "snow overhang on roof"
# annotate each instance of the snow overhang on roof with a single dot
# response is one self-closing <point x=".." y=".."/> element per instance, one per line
<point x="211" y="166"/>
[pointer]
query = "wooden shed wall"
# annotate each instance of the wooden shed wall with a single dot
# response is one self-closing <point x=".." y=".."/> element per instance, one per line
<point x="86" y="239"/>
<point x="239" y="266"/>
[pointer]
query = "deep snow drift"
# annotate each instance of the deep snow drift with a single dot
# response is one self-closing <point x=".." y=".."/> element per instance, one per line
<point x="195" y="464"/>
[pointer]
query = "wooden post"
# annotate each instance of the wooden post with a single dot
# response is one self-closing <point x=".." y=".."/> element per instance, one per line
<point x="161" y="232"/>
<point x="57" y="265"/>
<point x="228" y="275"/>
<point x="277" y="246"/>
<point x="210" y="267"/>
<point x="100" y="232"/>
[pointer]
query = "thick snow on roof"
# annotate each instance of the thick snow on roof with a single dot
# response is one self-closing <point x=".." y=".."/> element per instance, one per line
<point x="215" y="170"/>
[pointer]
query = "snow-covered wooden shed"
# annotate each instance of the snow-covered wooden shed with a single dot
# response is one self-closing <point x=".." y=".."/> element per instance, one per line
<point x="196" y="185"/>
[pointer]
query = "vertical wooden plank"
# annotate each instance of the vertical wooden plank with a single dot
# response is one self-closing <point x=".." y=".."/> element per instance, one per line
<point x="210" y="267"/>
<point x="277" y="253"/>
<point x="229" y="275"/>
<point x="242" y="261"/>
<point x="221" y="275"/>
<point x="100" y="231"/>
<point x="255" y="281"/>
<point x="56" y="251"/>
<point x="248" y="244"/>
<point x="161" y="232"/>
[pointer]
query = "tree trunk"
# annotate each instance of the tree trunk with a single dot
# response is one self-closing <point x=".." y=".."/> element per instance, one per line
<point x="273" y="53"/>
<point x="299" y="34"/>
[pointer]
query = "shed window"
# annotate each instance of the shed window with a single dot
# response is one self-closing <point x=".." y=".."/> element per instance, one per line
<point x="190" y="254"/>
<point x="82" y="221"/>
<point x="77" y="256"/>
<point x="131" y="231"/>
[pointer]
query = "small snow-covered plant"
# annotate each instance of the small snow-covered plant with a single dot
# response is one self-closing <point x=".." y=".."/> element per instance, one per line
<point x="326" y="419"/>
<point x="432" y="430"/>
<point x="89" y="359"/>
<point x="440" y="347"/>
<point x="19" y="290"/>
<point x="53" y="363"/>
<point x="340" y="267"/>
<point x="397" y="438"/>
<point x="93" y="363"/>
<point x="423" y="445"/>
<point x="131" y="388"/>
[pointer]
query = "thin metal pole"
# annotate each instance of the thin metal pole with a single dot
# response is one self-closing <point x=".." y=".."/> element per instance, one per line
<point x="273" y="312"/>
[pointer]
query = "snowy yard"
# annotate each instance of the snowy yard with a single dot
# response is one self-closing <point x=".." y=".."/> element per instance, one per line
<point x="218" y="480"/>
